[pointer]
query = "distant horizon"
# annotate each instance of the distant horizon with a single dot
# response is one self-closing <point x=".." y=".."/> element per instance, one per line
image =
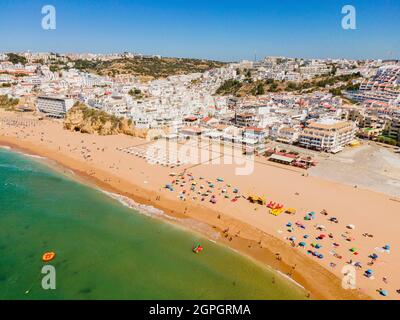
<point x="195" y="58"/>
<point x="221" y="30"/>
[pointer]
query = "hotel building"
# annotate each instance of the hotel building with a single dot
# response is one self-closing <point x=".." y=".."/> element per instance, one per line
<point x="54" y="107"/>
<point x="328" y="135"/>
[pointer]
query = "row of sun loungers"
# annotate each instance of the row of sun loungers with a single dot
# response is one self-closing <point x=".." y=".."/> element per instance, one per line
<point x="159" y="157"/>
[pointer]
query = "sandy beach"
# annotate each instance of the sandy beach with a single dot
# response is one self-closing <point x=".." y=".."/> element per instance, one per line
<point x="246" y="227"/>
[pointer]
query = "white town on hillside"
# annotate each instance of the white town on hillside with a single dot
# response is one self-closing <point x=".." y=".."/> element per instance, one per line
<point x="187" y="105"/>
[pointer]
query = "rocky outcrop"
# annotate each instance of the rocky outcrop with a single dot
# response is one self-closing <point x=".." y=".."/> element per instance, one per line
<point x="86" y="120"/>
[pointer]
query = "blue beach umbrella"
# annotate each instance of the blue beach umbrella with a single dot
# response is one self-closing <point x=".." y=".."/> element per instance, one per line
<point x="383" y="293"/>
<point x="302" y="244"/>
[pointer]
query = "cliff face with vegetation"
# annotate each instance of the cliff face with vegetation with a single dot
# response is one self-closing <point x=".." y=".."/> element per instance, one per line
<point x="249" y="87"/>
<point x="150" y="67"/>
<point x="8" y="103"/>
<point x="86" y="120"/>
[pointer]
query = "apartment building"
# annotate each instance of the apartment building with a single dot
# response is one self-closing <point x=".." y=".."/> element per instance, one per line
<point x="393" y="129"/>
<point x="288" y="135"/>
<point x="383" y="86"/>
<point x="55" y="107"/>
<point x="327" y="135"/>
<point x="245" y="119"/>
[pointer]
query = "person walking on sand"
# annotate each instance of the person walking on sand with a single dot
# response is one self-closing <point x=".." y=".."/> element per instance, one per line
<point x="385" y="280"/>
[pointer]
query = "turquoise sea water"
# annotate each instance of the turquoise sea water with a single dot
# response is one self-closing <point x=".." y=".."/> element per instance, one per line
<point x="106" y="250"/>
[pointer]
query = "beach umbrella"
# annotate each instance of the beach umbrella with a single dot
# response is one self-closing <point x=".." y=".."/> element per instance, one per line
<point x="350" y="226"/>
<point x="374" y="256"/>
<point x="289" y="224"/>
<point x="302" y="244"/>
<point x="386" y="247"/>
<point x="383" y="293"/>
<point x="353" y="249"/>
<point x="305" y="236"/>
<point x="292" y="238"/>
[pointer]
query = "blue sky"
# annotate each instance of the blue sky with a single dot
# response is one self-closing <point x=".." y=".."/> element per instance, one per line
<point x="215" y="29"/>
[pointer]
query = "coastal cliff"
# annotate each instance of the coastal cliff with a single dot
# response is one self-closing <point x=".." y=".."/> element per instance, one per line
<point x="86" y="120"/>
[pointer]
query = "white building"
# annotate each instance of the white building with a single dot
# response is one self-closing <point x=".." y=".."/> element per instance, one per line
<point x="55" y="107"/>
<point x="328" y="135"/>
